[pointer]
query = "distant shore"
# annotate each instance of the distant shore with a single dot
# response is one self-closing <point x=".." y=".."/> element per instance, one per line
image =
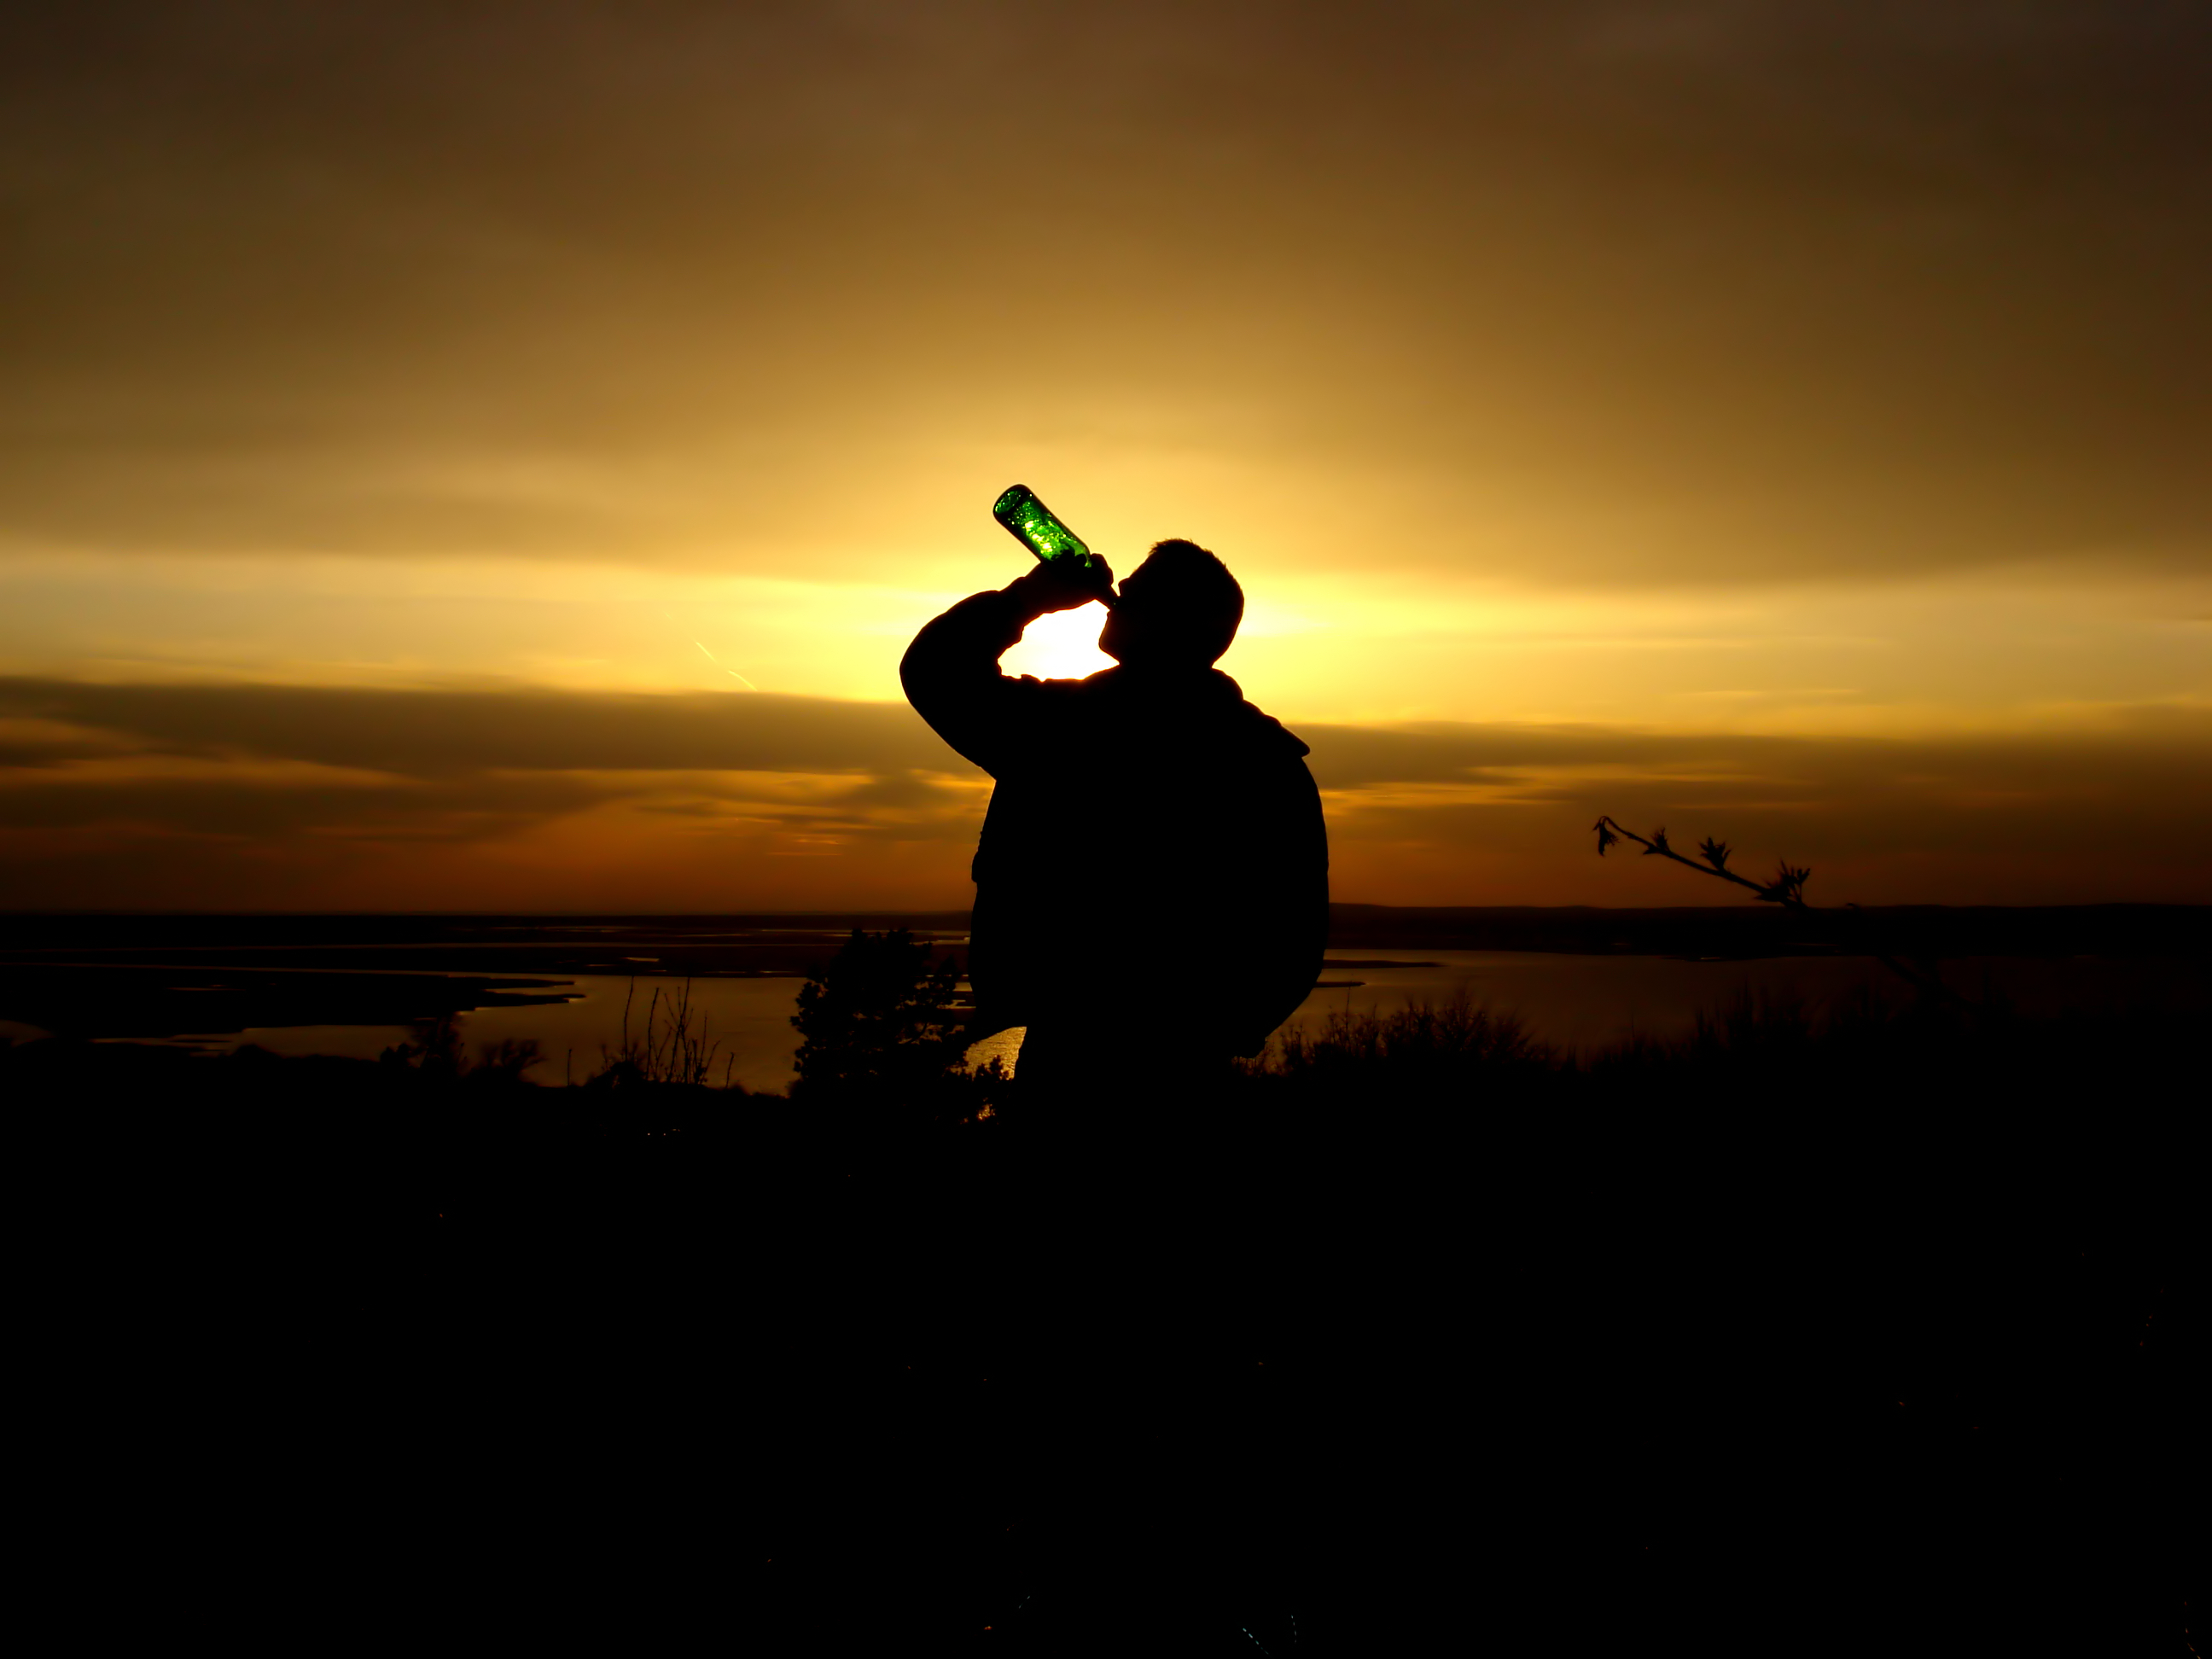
<point x="167" y="976"/>
<point x="779" y="944"/>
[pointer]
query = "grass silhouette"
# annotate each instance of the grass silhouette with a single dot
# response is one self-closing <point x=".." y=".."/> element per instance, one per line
<point x="667" y="1053"/>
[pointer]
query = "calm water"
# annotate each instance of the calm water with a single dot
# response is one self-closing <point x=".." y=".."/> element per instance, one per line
<point x="747" y="1020"/>
<point x="1581" y="1001"/>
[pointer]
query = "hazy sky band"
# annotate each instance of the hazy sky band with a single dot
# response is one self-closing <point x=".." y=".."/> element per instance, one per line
<point x="1782" y="287"/>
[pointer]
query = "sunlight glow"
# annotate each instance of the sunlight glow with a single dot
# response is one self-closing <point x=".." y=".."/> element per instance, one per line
<point x="1061" y="647"/>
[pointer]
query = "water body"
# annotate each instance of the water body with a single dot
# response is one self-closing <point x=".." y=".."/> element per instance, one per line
<point x="1577" y="1001"/>
<point x="747" y="1021"/>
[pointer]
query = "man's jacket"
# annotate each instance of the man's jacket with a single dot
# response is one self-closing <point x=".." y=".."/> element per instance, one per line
<point x="1154" y="855"/>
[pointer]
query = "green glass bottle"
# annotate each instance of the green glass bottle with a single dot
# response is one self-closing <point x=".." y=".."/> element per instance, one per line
<point x="1031" y="523"/>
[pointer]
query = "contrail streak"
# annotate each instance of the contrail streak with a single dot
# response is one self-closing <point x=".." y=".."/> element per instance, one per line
<point x="732" y="672"/>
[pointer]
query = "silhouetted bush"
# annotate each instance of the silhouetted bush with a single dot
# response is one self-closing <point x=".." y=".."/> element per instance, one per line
<point x="1422" y="1047"/>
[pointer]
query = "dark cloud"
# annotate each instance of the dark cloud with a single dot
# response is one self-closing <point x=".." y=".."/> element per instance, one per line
<point x="1356" y="756"/>
<point x="2015" y="824"/>
<point x="2146" y="749"/>
<point x="2121" y="811"/>
<point x="49" y="748"/>
<point x="249" y="806"/>
<point x="431" y="733"/>
<point x="277" y="764"/>
<point x="1786" y="288"/>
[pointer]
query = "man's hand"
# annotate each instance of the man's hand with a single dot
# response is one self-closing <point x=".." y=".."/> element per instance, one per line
<point x="1053" y="586"/>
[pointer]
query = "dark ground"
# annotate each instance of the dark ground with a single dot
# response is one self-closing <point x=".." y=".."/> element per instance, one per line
<point x="1876" y="1342"/>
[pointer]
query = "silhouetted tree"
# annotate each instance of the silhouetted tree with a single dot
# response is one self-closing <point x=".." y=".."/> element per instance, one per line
<point x="877" y="1024"/>
<point x="435" y="1049"/>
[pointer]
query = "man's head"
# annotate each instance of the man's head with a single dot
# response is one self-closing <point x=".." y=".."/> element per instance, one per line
<point x="1179" y="609"/>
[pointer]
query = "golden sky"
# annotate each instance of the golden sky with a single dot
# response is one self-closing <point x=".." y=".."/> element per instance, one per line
<point x="493" y="457"/>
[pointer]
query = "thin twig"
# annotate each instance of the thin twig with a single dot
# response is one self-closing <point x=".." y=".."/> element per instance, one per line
<point x="1786" y="890"/>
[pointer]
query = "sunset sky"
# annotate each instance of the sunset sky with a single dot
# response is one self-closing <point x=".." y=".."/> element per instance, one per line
<point x="493" y="456"/>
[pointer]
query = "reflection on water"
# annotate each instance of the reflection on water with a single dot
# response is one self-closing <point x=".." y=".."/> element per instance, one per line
<point x="1577" y="1001"/>
<point x="1002" y="1046"/>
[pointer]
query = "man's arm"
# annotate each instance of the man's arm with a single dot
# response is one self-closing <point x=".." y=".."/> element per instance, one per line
<point x="951" y="672"/>
<point x="1289" y="934"/>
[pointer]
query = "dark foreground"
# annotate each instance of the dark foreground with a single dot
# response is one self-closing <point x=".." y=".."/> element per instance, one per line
<point x="1876" y="1337"/>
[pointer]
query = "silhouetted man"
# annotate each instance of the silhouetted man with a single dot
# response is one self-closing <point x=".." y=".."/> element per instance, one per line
<point x="1152" y="897"/>
<point x="1152" y="888"/>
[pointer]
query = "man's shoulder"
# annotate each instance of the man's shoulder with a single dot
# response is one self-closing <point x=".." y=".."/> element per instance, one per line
<point x="1273" y="732"/>
<point x="1208" y="714"/>
<point x="1265" y="728"/>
